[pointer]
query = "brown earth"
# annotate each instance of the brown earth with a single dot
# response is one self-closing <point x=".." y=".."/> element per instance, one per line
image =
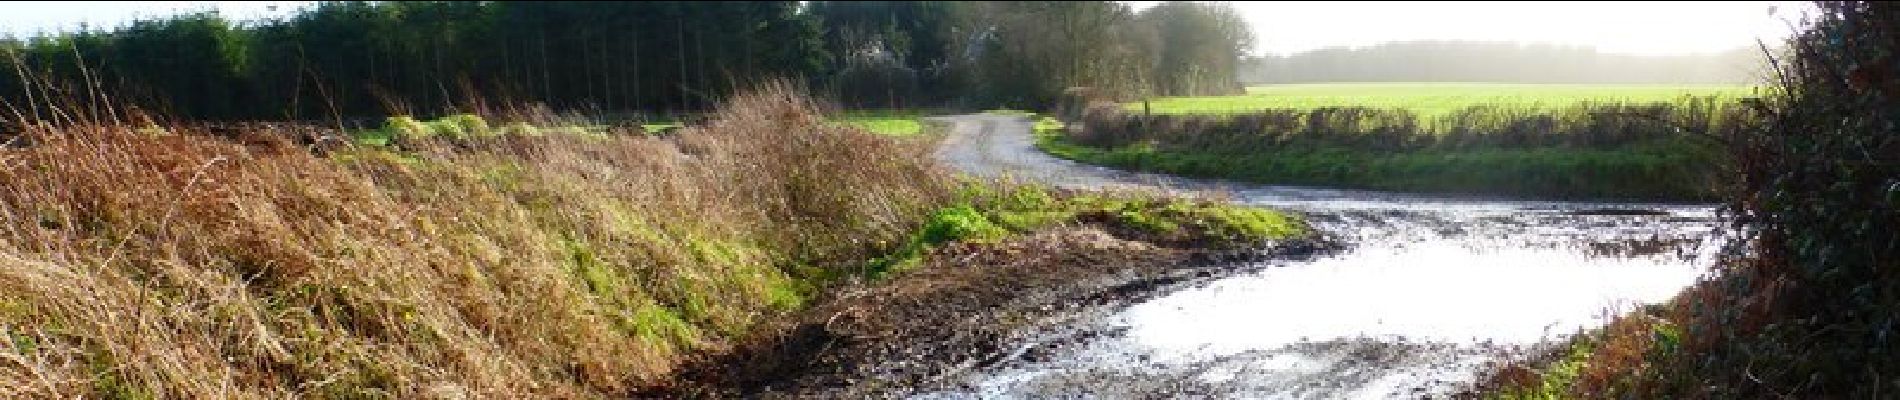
<point x="957" y="312"/>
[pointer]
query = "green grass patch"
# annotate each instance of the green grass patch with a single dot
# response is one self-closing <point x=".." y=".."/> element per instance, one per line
<point x="1043" y="123"/>
<point x="961" y="222"/>
<point x="1430" y="100"/>
<point x="1555" y="380"/>
<point x="885" y="122"/>
<point x="987" y="213"/>
<point x="1047" y="124"/>
<point x="1026" y="208"/>
<point x="660" y="327"/>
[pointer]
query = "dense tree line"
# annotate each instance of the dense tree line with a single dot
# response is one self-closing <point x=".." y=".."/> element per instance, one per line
<point x="1198" y="44"/>
<point x="1457" y="61"/>
<point x="888" y="53"/>
<point x="357" y="58"/>
<point x="1029" y="53"/>
<point x="373" y="58"/>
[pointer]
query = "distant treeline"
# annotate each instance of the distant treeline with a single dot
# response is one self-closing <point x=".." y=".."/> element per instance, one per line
<point x="1460" y="61"/>
<point x="373" y="58"/>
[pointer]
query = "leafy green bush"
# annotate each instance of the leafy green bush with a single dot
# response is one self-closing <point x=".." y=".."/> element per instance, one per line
<point x="1812" y="315"/>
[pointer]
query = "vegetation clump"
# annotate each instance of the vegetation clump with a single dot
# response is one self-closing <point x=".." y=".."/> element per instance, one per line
<point x="189" y="265"/>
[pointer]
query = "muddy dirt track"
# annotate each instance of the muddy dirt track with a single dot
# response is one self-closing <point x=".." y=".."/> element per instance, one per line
<point x="1406" y="296"/>
<point x="1431" y="290"/>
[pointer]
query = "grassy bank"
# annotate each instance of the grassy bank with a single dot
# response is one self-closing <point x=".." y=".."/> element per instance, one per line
<point x="496" y="265"/>
<point x="966" y="302"/>
<point x="1632" y="151"/>
<point x="1665" y="171"/>
<point x="1660" y="170"/>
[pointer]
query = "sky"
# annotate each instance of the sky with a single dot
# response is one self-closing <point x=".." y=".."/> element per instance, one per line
<point x="26" y="18"/>
<point x="1281" y="27"/>
<point x="1649" y="28"/>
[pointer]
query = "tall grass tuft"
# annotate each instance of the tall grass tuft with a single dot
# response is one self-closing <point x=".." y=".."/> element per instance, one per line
<point x="193" y="266"/>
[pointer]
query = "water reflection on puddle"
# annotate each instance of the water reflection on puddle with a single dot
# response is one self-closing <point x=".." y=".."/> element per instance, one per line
<point x="1439" y="291"/>
<point x="1434" y="287"/>
<point x="1423" y="300"/>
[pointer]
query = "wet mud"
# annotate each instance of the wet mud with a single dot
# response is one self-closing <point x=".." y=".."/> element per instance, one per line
<point x="1404" y="296"/>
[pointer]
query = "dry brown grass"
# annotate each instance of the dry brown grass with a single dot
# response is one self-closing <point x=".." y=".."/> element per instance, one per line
<point x="1654" y="352"/>
<point x="184" y="266"/>
<point x="1631" y="356"/>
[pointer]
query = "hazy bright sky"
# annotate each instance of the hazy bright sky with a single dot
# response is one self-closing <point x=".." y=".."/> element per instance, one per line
<point x="1282" y="27"/>
<point x="25" y="18"/>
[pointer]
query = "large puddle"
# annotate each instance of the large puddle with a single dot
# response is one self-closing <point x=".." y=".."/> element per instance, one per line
<point x="1430" y="291"/>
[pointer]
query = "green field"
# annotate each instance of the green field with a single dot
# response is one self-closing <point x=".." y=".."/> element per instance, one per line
<point x="1429" y="100"/>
